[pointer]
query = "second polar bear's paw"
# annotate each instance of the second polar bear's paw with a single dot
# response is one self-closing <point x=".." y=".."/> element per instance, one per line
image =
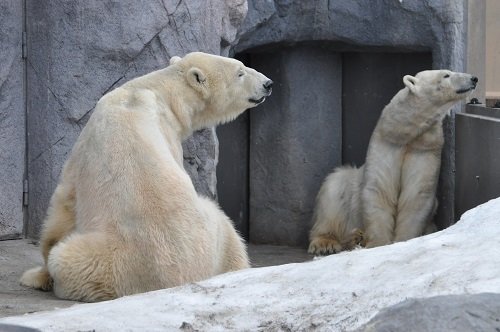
<point x="357" y="239"/>
<point x="324" y="245"/>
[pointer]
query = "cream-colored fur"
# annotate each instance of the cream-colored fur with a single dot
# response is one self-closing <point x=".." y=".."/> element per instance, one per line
<point x="337" y="216"/>
<point x="393" y="196"/>
<point x="125" y="217"/>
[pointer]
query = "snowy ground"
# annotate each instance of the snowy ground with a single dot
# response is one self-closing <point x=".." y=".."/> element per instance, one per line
<point x="339" y="292"/>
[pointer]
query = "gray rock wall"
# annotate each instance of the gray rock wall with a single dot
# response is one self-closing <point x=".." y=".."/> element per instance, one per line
<point x="436" y="25"/>
<point x="12" y="119"/>
<point x="79" y="50"/>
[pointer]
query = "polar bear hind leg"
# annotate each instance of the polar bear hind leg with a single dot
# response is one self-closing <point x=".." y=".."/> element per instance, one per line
<point x="231" y="250"/>
<point x="337" y="214"/>
<point x="59" y="223"/>
<point x="82" y="268"/>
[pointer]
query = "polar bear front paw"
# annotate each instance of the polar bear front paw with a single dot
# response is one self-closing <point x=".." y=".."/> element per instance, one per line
<point x="357" y="238"/>
<point x="324" y="245"/>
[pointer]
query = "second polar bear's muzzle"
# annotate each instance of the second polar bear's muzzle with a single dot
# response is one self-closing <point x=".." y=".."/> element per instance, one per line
<point x="268" y="86"/>
<point x="473" y="84"/>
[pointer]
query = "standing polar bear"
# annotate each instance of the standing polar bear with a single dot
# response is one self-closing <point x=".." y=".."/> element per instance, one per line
<point x="125" y="217"/>
<point x="392" y="197"/>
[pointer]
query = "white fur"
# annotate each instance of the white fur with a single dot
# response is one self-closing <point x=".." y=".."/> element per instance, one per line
<point x="393" y="197"/>
<point x="125" y="217"/>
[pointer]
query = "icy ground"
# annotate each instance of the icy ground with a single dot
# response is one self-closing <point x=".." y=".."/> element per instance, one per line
<point x="335" y="293"/>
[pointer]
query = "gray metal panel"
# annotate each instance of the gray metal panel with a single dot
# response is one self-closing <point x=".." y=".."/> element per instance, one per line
<point x="295" y="141"/>
<point x="12" y="119"/>
<point x="477" y="158"/>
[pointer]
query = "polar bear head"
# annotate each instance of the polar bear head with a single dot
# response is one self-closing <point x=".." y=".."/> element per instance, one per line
<point x="225" y="86"/>
<point x="440" y="86"/>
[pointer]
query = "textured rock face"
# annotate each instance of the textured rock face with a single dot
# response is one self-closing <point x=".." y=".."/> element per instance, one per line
<point x="12" y="119"/>
<point x="79" y="50"/>
<point x="453" y="313"/>
<point x="381" y="24"/>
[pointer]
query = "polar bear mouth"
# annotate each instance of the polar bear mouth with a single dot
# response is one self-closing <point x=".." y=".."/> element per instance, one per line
<point x="465" y="90"/>
<point x="257" y="101"/>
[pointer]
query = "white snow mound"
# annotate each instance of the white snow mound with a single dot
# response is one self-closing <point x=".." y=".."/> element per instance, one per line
<point x="338" y="292"/>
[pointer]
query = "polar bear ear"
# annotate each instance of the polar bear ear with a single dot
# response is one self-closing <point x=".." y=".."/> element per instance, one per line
<point x="197" y="79"/>
<point x="174" y="59"/>
<point x="410" y="82"/>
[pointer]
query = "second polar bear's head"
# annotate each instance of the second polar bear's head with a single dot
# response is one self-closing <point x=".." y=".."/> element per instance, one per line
<point x="226" y="86"/>
<point x="440" y="86"/>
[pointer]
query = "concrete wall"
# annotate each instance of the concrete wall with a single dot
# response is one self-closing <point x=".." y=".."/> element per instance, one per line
<point x="295" y="138"/>
<point x="369" y="81"/>
<point x="12" y="119"/>
<point x="493" y="49"/>
<point x="476" y="42"/>
<point x="438" y="27"/>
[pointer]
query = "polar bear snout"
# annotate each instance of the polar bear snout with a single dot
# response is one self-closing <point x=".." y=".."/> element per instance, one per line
<point x="267" y="90"/>
<point x="469" y="85"/>
<point x="474" y="80"/>
<point x="268" y="86"/>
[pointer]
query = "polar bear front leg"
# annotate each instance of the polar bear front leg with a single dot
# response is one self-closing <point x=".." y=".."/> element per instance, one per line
<point x="378" y="218"/>
<point x="82" y="267"/>
<point x="380" y="189"/>
<point x="417" y="201"/>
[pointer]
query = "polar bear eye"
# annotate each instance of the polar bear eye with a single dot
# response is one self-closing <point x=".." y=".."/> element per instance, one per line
<point x="446" y="76"/>
<point x="241" y="73"/>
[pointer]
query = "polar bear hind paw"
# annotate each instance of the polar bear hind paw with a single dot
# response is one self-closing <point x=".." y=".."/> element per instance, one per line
<point x="38" y="278"/>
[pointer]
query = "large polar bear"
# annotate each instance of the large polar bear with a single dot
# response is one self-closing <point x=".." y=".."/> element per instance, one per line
<point x="393" y="196"/>
<point x="125" y="217"/>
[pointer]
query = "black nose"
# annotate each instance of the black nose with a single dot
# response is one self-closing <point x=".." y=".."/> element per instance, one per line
<point x="474" y="79"/>
<point x="268" y="85"/>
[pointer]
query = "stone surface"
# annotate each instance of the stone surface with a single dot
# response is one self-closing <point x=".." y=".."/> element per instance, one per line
<point x="79" y="50"/>
<point x="12" y="119"/>
<point x="436" y="26"/>
<point x="451" y="313"/>
<point x="295" y="139"/>
<point x="16" y="256"/>
<point x="15" y="328"/>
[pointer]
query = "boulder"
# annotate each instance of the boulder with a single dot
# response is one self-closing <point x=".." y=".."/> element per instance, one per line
<point x="450" y="313"/>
